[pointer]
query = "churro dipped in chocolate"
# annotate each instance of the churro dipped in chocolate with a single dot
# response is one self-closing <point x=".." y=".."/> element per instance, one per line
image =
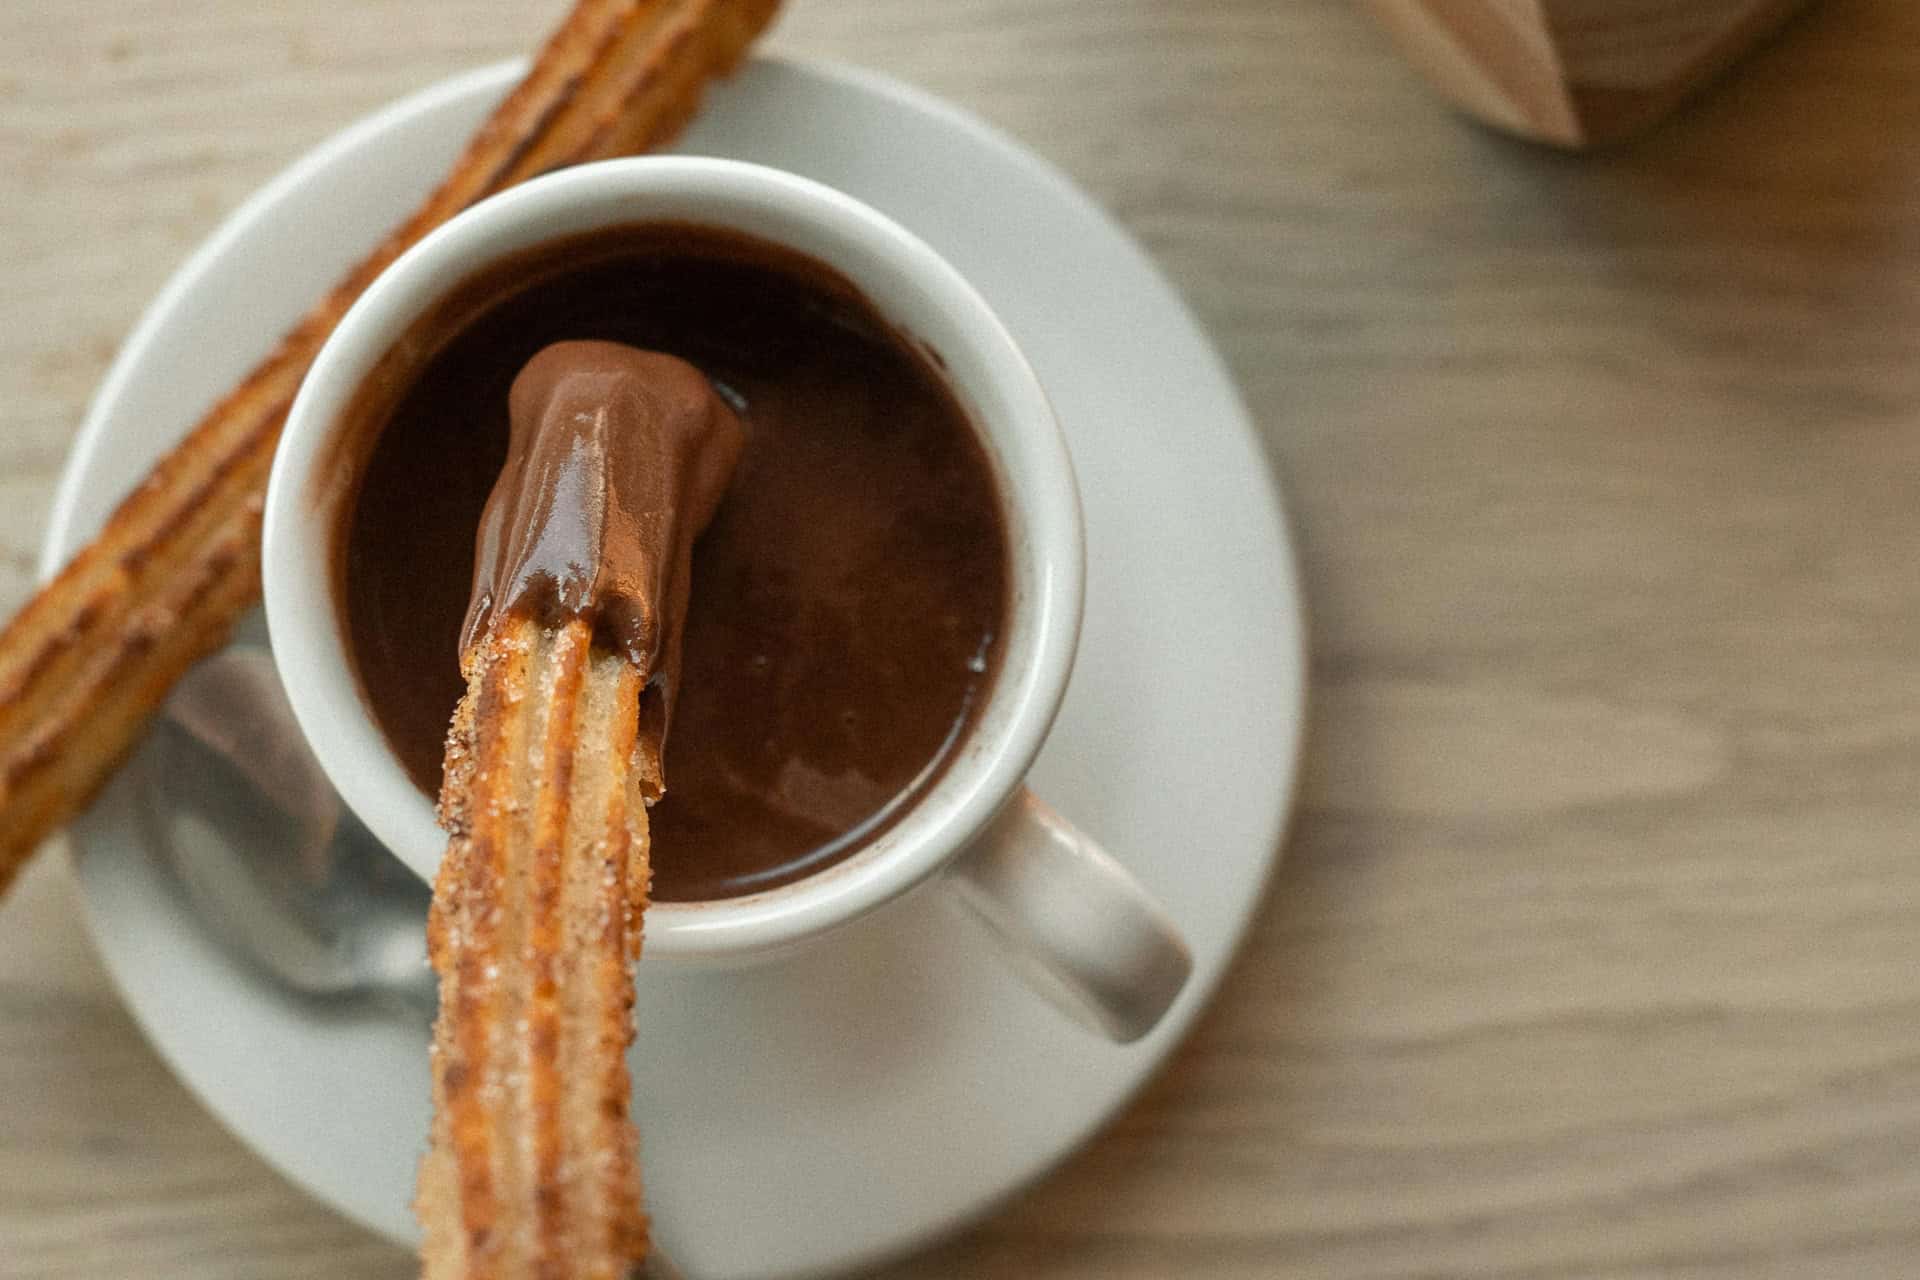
<point x="618" y="459"/>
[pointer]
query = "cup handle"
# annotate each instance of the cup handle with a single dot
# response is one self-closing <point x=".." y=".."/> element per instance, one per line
<point x="1075" y="923"/>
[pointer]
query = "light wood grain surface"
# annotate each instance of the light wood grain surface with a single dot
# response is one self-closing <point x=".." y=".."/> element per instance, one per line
<point x="1597" y="947"/>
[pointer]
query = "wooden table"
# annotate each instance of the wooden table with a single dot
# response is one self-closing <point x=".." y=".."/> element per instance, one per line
<point x="1596" y="951"/>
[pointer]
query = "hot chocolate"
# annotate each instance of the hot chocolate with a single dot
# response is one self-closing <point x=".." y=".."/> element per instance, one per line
<point x="845" y="604"/>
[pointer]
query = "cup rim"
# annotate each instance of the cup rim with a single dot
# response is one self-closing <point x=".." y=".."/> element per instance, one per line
<point x="898" y="272"/>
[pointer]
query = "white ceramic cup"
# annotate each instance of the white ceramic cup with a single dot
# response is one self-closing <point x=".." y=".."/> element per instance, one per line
<point x="1079" y="927"/>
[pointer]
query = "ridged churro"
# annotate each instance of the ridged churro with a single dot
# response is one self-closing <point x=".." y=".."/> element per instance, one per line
<point x="536" y="920"/>
<point x="617" y="459"/>
<point x="90" y="658"/>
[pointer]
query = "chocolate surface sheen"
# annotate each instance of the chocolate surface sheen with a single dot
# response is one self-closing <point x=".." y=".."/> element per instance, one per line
<point x="616" y="460"/>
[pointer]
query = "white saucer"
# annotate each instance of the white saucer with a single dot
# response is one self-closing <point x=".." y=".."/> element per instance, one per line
<point x="884" y="1088"/>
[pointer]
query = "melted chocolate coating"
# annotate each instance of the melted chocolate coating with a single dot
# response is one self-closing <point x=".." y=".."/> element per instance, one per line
<point x="616" y="459"/>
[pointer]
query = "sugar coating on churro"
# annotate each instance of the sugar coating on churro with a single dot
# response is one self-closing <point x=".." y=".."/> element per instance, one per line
<point x="531" y="1168"/>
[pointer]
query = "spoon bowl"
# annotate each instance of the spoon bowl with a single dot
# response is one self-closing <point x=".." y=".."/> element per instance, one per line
<point x="268" y="855"/>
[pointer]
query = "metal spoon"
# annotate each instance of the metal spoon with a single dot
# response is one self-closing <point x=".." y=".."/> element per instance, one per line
<point x="267" y="854"/>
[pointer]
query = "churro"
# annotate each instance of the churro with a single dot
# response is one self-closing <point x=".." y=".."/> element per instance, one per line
<point x="617" y="459"/>
<point x="90" y="658"/>
<point x="536" y="919"/>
